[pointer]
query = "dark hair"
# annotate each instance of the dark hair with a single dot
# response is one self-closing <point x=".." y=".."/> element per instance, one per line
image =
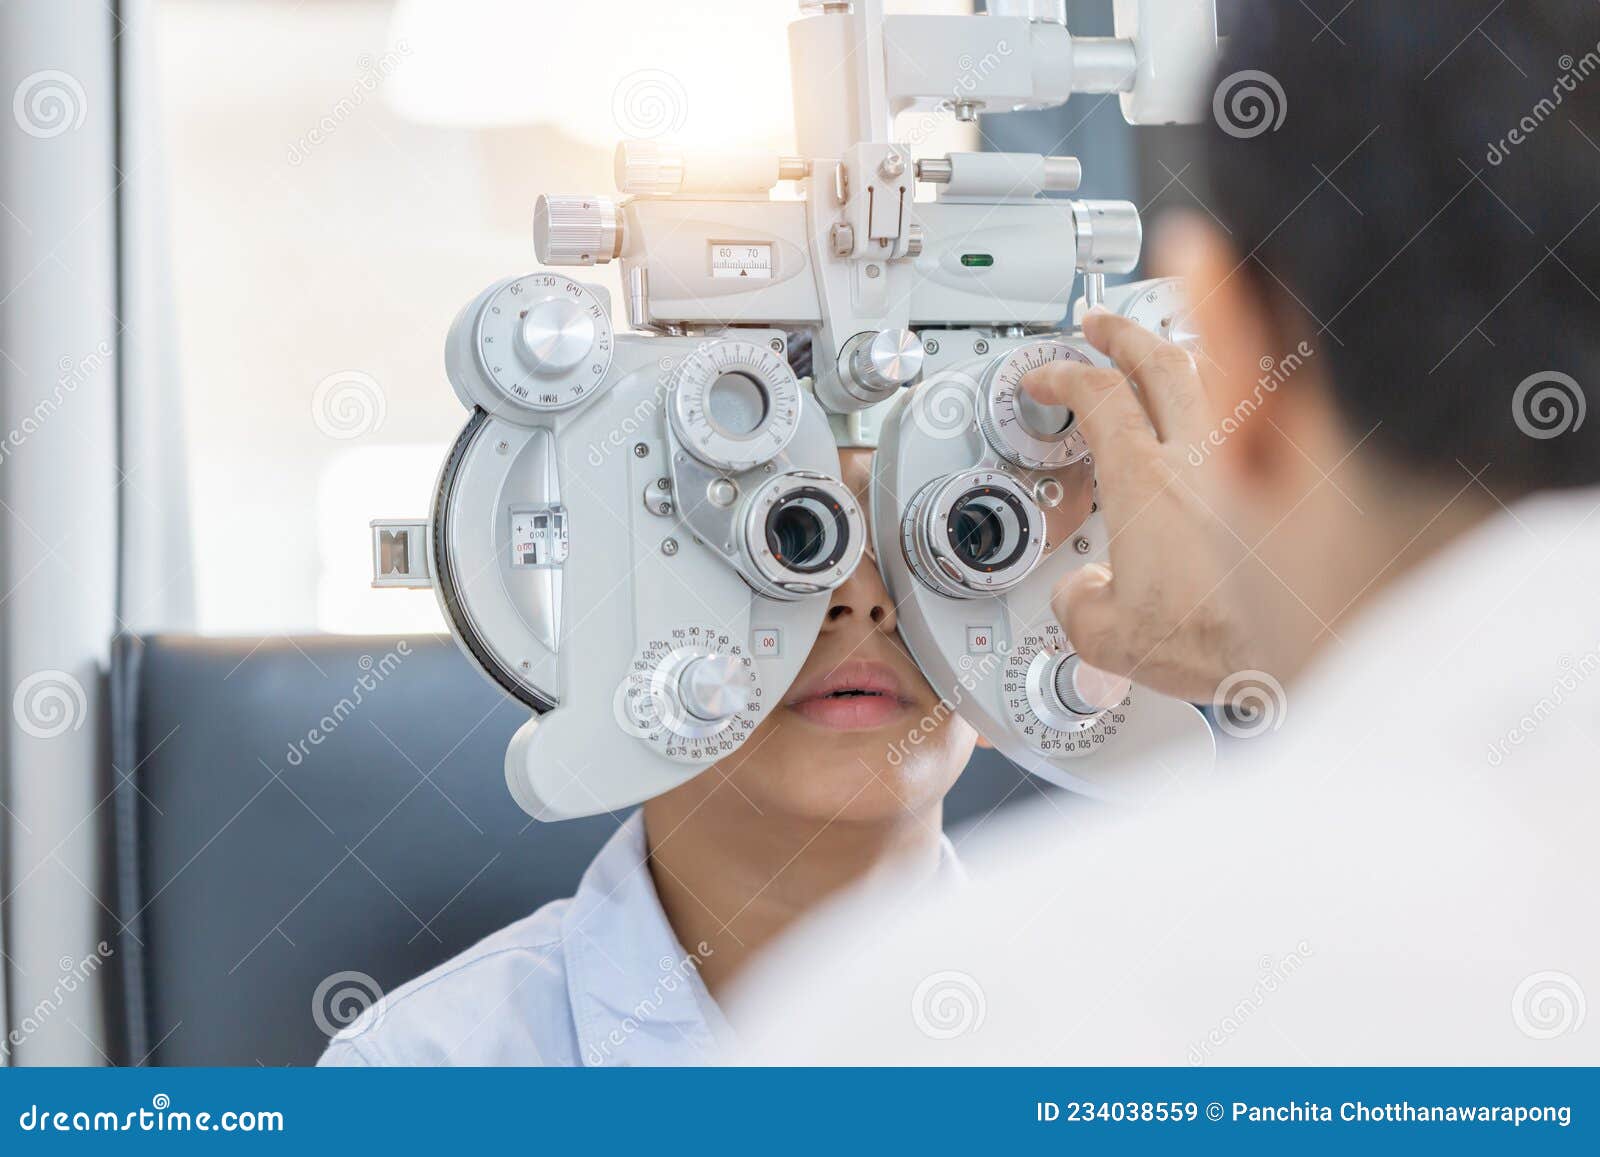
<point x="1428" y="212"/>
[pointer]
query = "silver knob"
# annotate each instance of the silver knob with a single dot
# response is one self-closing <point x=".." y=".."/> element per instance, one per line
<point x="576" y="230"/>
<point x="1068" y="694"/>
<point x="1109" y="235"/>
<point x="887" y="360"/>
<point x="555" y="335"/>
<point x="714" y="687"/>
<point x="1085" y="690"/>
<point x="645" y="167"/>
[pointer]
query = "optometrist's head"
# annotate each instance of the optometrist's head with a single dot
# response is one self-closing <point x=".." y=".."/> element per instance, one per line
<point x="1389" y="278"/>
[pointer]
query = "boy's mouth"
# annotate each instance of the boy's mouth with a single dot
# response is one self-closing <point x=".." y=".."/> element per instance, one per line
<point x="854" y="696"/>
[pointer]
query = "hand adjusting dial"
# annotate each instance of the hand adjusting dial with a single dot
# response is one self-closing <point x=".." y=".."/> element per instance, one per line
<point x="1022" y="431"/>
<point x="1068" y="694"/>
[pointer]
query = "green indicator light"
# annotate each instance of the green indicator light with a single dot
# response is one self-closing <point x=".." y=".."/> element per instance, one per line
<point x="977" y="260"/>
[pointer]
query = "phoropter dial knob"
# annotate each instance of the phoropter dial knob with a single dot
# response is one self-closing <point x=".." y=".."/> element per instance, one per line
<point x="1159" y="306"/>
<point x="554" y="335"/>
<point x="712" y="687"/>
<point x="536" y="343"/>
<point x="1109" y="235"/>
<point x="571" y="229"/>
<point x="1067" y="694"/>
<point x="881" y="362"/>
<point x="1022" y="431"/>
<point x="694" y="697"/>
<point x="735" y="403"/>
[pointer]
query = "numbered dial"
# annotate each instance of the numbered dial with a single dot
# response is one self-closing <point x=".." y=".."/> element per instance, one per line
<point x="735" y="404"/>
<point x="1021" y="430"/>
<point x="1163" y="310"/>
<point x="694" y="697"/>
<point x="1041" y="701"/>
<point x="544" y="341"/>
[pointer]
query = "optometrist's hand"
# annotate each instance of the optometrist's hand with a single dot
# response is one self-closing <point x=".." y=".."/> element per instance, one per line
<point x="1157" y="613"/>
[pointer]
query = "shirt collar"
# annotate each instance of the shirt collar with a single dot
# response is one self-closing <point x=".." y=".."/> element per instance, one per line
<point x="636" y="994"/>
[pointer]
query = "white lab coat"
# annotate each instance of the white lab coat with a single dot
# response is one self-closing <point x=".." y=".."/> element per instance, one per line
<point x="1405" y="872"/>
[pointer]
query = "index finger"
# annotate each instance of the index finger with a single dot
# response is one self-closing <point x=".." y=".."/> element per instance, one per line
<point x="1165" y="373"/>
<point x="1104" y="406"/>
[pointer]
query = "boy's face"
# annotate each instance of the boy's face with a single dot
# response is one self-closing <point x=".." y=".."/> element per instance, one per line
<point x="839" y="744"/>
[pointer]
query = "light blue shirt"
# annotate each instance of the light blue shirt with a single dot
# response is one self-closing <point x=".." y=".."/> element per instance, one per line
<point x="599" y="979"/>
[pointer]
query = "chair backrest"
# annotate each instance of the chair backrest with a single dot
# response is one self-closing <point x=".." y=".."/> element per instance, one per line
<point x="293" y="809"/>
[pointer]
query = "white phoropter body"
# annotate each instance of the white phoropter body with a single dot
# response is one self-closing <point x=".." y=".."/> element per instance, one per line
<point x="982" y="504"/>
<point x="636" y="534"/>
<point x="583" y="541"/>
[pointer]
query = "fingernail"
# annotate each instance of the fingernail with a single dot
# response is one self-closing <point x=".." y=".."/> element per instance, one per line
<point x="1097" y="310"/>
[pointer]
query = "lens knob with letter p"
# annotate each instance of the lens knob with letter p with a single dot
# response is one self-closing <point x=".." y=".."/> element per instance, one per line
<point x="973" y="534"/>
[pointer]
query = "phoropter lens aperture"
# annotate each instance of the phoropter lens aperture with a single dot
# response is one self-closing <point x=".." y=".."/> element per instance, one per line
<point x="807" y="530"/>
<point x="988" y="529"/>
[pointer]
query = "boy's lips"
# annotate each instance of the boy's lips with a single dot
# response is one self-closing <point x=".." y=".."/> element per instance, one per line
<point x="854" y="696"/>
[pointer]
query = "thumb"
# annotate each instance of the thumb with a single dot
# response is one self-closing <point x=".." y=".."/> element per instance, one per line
<point x="1085" y="605"/>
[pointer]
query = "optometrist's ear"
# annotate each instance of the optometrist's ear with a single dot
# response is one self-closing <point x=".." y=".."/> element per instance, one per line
<point x="1240" y="339"/>
<point x="982" y="742"/>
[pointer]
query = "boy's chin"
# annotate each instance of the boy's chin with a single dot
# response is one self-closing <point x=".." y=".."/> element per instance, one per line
<point x="857" y="777"/>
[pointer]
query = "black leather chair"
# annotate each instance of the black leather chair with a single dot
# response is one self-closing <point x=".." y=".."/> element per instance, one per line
<point x="279" y="822"/>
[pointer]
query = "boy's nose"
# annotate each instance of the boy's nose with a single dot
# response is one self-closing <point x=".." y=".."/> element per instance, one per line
<point x="862" y="598"/>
